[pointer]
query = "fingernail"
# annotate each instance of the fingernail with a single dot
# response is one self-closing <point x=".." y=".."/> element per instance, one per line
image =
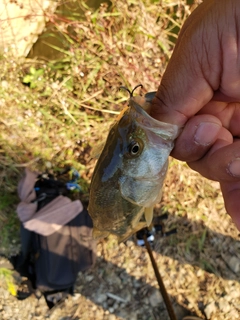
<point x="234" y="167"/>
<point x="206" y="133"/>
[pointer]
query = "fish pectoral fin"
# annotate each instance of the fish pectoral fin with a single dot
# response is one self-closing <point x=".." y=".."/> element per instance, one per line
<point x="98" y="234"/>
<point x="129" y="233"/>
<point x="148" y="212"/>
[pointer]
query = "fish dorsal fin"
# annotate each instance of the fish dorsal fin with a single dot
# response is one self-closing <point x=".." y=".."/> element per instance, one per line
<point x="148" y="212"/>
<point x="97" y="150"/>
<point x="121" y="113"/>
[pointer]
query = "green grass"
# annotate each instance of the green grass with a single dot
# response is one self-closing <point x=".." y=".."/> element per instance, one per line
<point x="9" y="223"/>
<point x="53" y="112"/>
<point x="7" y="279"/>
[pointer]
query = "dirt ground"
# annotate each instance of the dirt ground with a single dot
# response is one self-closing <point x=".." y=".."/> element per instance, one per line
<point x="200" y="266"/>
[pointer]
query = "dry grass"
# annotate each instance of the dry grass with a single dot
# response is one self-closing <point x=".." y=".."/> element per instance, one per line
<point x="68" y="108"/>
<point x="69" y="102"/>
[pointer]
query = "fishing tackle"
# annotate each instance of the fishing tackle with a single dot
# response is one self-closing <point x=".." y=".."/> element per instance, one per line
<point x="131" y="92"/>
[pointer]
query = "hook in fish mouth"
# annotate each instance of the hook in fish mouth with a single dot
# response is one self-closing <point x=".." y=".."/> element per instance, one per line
<point x="131" y="92"/>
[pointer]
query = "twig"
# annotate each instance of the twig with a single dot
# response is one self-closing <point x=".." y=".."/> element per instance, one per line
<point x="26" y="164"/>
<point x="91" y="108"/>
<point x="117" y="298"/>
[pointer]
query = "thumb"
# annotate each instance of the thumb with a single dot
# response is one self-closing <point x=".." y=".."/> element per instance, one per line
<point x="183" y="90"/>
<point x="231" y="195"/>
<point x="193" y="72"/>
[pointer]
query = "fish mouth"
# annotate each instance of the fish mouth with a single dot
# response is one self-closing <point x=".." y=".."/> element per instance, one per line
<point x="169" y="132"/>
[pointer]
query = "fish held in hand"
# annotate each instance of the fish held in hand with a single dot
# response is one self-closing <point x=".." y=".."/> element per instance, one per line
<point x="128" y="178"/>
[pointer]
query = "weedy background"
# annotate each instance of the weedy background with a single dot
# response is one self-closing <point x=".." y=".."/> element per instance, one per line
<point x="52" y="112"/>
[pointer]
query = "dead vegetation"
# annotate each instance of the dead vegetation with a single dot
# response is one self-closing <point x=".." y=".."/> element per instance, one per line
<point x="53" y="112"/>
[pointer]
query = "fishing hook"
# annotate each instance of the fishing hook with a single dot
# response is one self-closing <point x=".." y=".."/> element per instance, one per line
<point x="131" y="92"/>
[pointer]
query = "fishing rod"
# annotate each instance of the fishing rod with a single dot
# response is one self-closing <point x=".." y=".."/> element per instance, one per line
<point x="161" y="285"/>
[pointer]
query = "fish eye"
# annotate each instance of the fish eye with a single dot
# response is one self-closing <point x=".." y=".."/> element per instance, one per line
<point x="134" y="148"/>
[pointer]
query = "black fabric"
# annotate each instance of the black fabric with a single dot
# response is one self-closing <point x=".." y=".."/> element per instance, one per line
<point x="60" y="256"/>
<point x="48" y="189"/>
<point x="52" y="263"/>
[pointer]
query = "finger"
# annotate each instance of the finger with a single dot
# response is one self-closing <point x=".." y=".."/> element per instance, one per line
<point x="188" y="82"/>
<point x="231" y="195"/>
<point x="179" y="97"/>
<point x="197" y="137"/>
<point x="227" y="113"/>
<point x="202" y="63"/>
<point x="221" y="163"/>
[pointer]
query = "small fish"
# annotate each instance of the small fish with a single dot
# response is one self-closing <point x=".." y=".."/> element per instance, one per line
<point x="129" y="174"/>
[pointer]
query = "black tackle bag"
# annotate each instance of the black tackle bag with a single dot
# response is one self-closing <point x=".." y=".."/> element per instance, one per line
<point x="51" y="263"/>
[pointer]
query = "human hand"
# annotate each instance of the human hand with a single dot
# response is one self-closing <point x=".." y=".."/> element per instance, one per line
<point x="200" y="90"/>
